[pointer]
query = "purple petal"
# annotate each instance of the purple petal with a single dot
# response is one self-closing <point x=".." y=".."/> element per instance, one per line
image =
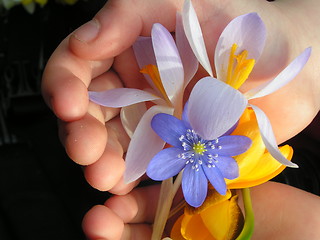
<point x="269" y="138"/>
<point x="131" y="115"/>
<point x="282" y="79"/>
<point x="143" y="50"/>
<point x="121" y="97"/>
<point x="214" y="107"/>
<point x="215" y="177"/>
<point x="168" y="62"/>
<point x="185" y="117"/>
<point x="231" y="145"/>
<point x="144" y="144"/>
<point x="165" y="164"/>
<point x="194" y="186"/>
<point x="189" y="60"/>
<point x="193" y="32"/>
<point x="248" y="32"/>
<point x="169" y="128"/>
<point x="227" y="166"/>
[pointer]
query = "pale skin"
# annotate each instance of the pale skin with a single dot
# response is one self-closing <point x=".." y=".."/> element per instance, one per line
<point x="93" y="136"/>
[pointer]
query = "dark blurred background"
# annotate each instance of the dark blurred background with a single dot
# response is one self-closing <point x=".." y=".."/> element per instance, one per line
<point x="43" y="194"/>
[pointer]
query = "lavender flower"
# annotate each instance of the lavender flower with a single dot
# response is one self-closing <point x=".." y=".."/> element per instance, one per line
<point x="200" y="147"/>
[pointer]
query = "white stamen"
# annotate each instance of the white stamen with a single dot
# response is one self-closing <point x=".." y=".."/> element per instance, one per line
<point x="181" y="138"/>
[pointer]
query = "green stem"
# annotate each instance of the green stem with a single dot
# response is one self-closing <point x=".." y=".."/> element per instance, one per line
<point x="248" y="227"/>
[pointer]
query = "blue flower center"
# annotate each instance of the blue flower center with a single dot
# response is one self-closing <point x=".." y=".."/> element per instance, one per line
<point x="197" y="150"/>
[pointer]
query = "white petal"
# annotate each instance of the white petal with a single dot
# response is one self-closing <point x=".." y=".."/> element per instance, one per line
<point x="168" y="61"/>
<point x="269" y="138"/>
<point x="193" y="32"/>
<point x="214" y="107"/>
<point x="131" y="115"/>
<point x="144" y="144"/>
<point x="121" y="97"/>
<point x="143" y="50"/>
<point x="289" y="73"/>
<point x="189" y="60"/>
<point x="248" y="32"/>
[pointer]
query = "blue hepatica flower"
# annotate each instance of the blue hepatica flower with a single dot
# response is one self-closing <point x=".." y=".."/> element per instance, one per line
<point x="199" y="145"/>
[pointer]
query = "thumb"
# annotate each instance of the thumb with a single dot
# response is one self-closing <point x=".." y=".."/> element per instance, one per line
<point x="117" y="25"/>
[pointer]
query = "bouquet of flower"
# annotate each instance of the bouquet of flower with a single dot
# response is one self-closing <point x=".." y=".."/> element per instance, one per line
<point x="215" y="144"/>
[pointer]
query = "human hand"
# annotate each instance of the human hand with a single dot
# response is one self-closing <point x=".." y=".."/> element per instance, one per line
<point x="130" y="216"/>
<point x="106" y="61"/>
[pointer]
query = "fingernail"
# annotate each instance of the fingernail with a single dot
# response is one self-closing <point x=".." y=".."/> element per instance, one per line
<point x="88" y="31"/>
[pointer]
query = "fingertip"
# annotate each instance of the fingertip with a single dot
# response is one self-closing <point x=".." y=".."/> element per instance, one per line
<point x="106" y="36"/>
<point x="84" y="139"/>
<point x="70" y="100"/>
<point x="102" y="223"/>
<point x="65" y="94"/>
<point x="105" y="173"/>
<point x="126" y="207"/>
<point x="122" y="188"/>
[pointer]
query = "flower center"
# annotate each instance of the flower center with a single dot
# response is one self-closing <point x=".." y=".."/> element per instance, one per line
<point x="154" y="74"/>
<point x="199" y="148"/>
<point x="239" y="67"/>
<point x="198" y="151"/>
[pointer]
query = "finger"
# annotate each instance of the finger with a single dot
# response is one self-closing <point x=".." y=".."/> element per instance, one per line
<point x="117" y="25"/>
<point x="137" y="232"/>
<point x="105" y="81"/>
<point x="86" y="149"/>
<point x="102" y="223"/>
<point x="65" y="81"/>
<point x="115" y="126"/>
<point x="128" y="70"/>
<point x="285" y="215"/>
<point x="84" y="140"/>
<point x="138" y="206"/>
<point x="107" y="171"/>
<point x="122" y="188"/>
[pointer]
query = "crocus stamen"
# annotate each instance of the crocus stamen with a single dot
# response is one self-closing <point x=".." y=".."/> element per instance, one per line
<point x="239" y="67"/>
<point x="154" y="74"/>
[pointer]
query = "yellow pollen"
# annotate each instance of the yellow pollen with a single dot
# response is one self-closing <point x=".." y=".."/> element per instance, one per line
<point x="153" y="72"/>
<point x="199" y="148"/>
<point x="239" y="67"/>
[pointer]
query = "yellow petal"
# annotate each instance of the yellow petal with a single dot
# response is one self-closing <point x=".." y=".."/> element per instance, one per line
<point x="193" y="228"/>
<point x="247" y="161"/>
<point x="256" y="165"/>
<point x="267" y="169"/>
<point x="176" y="230"/>
<point x="218" y="218"/>
<point x="224" y="220"/>
<point x="213" y="197"/>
